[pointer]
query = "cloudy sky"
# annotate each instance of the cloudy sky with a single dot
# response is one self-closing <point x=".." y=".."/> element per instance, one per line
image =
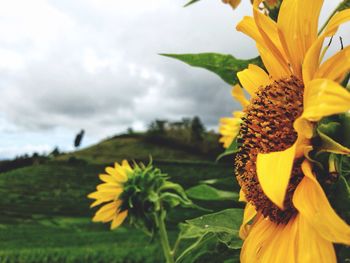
<point x="94" y="64"/>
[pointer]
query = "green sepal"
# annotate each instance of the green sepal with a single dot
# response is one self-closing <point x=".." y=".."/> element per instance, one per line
<point x="328" y="143"/>
<point x="225" y="66"/>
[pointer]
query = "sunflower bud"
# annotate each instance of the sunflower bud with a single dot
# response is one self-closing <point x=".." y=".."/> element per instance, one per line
<point x="136" y="193"/>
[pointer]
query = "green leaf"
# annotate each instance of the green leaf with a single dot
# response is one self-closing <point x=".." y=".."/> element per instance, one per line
<point x="345" y="123"/>
<point x="233" y="148"/>
<point x="209" y="231"/>
<point x="224" y="224"/>
<point x="209" y="193"/>
<point x="328" y="143"/>
<point x="343" y="165"/>
<point x="343" y="5"/>
<point x="225" y="66"/>
<point x="191" y="2"/>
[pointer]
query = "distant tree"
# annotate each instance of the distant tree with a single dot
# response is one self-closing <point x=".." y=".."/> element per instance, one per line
<point x="55" y="152"/>
<point x="78" y="138"/>
<point x="197" y="129"/>
<point x="186" y="122"/>
<point x="130" y="131"/>
<point x="157" y="127"/>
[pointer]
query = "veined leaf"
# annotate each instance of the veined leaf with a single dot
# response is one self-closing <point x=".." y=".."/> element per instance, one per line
<point x="224" y="224"/>
<point x="209" y="193"/>
<point x="225" y="66"/>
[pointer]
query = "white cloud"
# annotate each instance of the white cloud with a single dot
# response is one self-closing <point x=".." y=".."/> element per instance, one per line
<point x="94" y="64"/>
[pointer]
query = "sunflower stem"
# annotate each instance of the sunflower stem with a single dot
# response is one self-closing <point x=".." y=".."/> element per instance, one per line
<point x="164" y="240"/>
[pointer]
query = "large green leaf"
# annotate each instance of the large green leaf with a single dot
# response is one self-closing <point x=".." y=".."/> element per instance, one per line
<point x="216" y="228"/>
<point x="226" y="66"/>
<point x="209" y="193"/>
<point x="224" y="224"/>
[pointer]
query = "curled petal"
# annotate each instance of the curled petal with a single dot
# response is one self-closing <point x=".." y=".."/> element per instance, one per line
<point x="274" y="170"/>
<point x="312" y="203"/>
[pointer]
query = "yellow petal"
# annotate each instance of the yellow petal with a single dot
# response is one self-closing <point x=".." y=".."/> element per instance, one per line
<point x="303" y="127"/>
<point x="297" y="24"/>
<point x="106" y="212"/>
<point x="252" y="78"/>
<point x="270" y="34"/>
<point x="119" y="219"/>
<point x="311" y="246"/>
<point x="248" y="27"/>
<point x="249" y="214"/>
<point x="98" y="202"/>
<point x="273" y="170"/>
<point x="312" y="57"/>
<point x="335" y="67"/>
<point x="105" y="195"/>
<point x="312" y="203"/>
<point x="271" y="62"/>
<point x="118" y="173"/>
<point x="126" y="166"/>
<point x="281" y="246"/>
<point x="108" y="187"/>
<point x="324" y="97"/>
<point x="242" y="196"/>
<point x="229" y="129"/>
<point x="107" y="178"/>
<point x="268" y="242"/>
<point x="238" y="94"/>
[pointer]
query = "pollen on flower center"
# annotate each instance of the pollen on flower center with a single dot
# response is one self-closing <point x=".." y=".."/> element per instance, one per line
<point x="268" y="127"/>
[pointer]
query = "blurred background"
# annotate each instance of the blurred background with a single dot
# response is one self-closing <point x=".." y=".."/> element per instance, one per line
<point x="82" y="85"/>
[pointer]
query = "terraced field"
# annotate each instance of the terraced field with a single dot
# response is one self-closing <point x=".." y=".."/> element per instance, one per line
<point x="45" y="215"/>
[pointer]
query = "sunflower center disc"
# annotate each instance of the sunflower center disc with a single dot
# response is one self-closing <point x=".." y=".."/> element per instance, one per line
<point x="268" y="127"/>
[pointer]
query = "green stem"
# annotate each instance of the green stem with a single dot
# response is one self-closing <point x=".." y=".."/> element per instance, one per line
<point x="340" y="7"/>
<point x="164" y="239"/>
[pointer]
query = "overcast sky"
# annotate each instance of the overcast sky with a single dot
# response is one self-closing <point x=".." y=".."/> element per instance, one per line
<point x="93" y="64"/>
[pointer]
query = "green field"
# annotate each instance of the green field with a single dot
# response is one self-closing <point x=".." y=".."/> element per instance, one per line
<point x="45" y="215"/>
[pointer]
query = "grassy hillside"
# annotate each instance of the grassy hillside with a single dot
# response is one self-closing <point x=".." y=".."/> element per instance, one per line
<point x="45" y="213"/>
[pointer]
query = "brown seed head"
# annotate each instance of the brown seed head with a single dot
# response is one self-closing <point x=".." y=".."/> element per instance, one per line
<point x="268" y="127"/>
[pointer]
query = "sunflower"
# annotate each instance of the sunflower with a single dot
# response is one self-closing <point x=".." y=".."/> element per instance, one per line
<point x="229" y="127"/>
<point x="292" y="219"/>
<point x="109" y="194"/>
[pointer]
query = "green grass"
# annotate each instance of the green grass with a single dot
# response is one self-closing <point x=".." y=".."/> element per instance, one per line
<point x="74" y="240"/>
<point x="133" y="147"/>
<point x="45" y="215"/>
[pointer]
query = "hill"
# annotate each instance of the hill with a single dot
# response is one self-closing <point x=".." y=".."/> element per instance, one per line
<point x="45" y="212"/>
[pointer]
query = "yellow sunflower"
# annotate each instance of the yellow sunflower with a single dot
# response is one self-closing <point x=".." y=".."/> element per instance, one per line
<point x="229" y="127"/>
<point x="109" y="193"/>
<point x="292" y="219"/>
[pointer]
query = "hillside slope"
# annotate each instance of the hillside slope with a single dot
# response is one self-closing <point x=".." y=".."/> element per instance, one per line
<point x="45" y="212"/>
